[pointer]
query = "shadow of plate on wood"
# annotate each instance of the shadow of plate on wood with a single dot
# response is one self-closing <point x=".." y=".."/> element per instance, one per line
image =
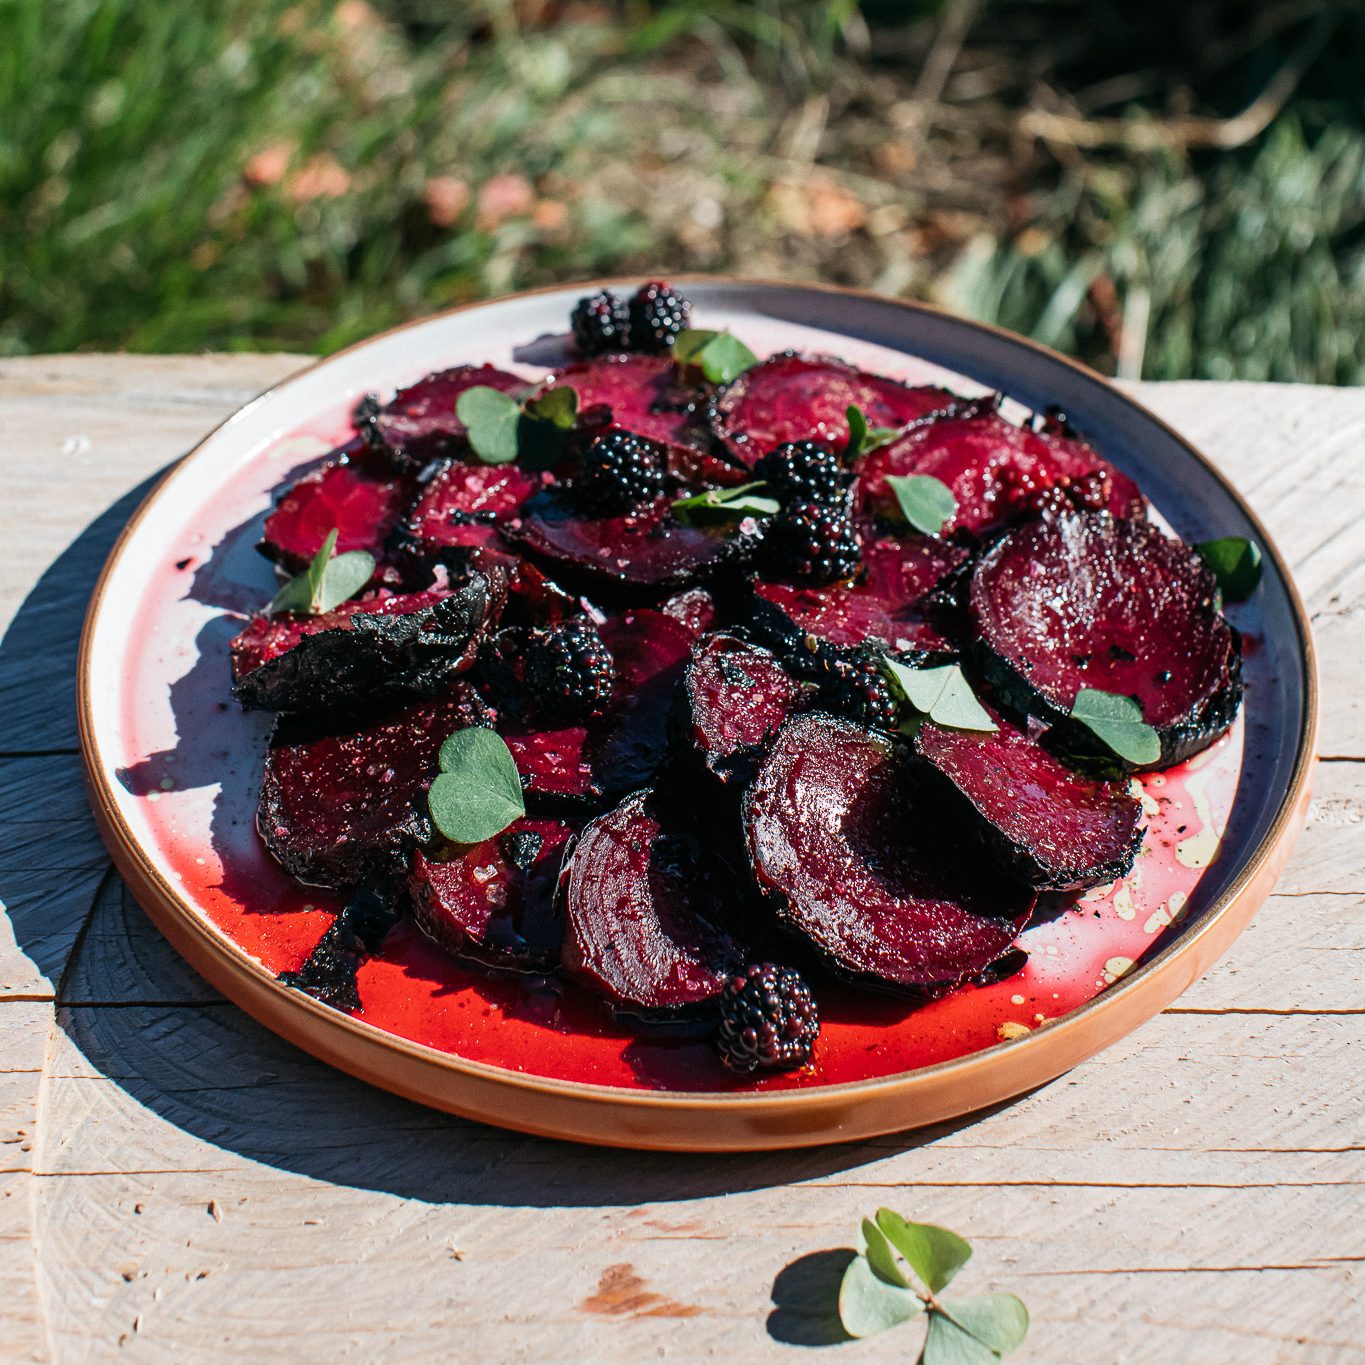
<point x="173" y="768"/>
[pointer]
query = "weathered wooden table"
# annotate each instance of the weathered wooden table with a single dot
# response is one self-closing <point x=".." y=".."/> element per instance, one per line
<point x="180" y="1185"/>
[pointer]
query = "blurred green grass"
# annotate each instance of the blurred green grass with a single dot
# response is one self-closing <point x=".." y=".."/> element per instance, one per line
<point x="262" y="175"/>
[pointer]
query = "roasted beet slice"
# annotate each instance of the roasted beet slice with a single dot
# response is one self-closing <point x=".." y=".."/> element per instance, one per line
<point x="420" y="424"/>
<point x="338" y="805"/>
<point x="736" y="697"/>
<point x="356" y="494"/>
<point x="837" y="835"/>
<point x="892" y="600"/>
<point x="1087" y="601"/>
<point x="644" y="394"/>
<point x="495" y="902"/>
<point x="641" y="551"/>
<point x="995" y="470"/>
<point x="1058" y="829"/>
<point x="694" y="607"/>
<point x="465" y="506"/>
<point x="553" y="764"/>
<point x="794" y="397"/>
<point x="369" y="654"/>
<point x="647" y="905"/>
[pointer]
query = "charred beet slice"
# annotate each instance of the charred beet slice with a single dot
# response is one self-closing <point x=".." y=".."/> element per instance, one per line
<point x="338" y="805"/>
<point x="893" y="600"/>
<point x="805" y="398"/>
<point x="837" y="836"/>
<point x="644" y="394"/>
<point x="1087" y="601"/>
<point x="357" y="494"/>
<point x="419" y="424"/>
<point x="495" y="902"/>
<point x="995" y="470"/>
<point x="643" y="550"/>
<point x="646" y="908"/>
<point x="465" y="506"/>
<point x="371" y="654"/>
<point x="1058" y="829"/>
<point x="736" y="697"/>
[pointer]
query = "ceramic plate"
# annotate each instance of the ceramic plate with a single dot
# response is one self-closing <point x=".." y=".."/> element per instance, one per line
<point x="174" y="769"/>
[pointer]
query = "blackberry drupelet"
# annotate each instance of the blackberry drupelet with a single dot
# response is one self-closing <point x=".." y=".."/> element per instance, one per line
<point x="768" y="1020"/>
<point x="600" y="323"/>
<point x="657" y="314"/>
<point x="853" y="684"/>
<point x="619" y="472"/>
<point x="816" y="544"/>
<point x="569" y="672"/>
<point x="803" y="471"/>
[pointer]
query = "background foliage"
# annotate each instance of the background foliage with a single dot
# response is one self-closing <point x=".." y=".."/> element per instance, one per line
<point x="1165" y="189"/>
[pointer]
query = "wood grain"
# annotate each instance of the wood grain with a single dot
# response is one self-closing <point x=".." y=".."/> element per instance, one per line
<point x="178" y="1184"/>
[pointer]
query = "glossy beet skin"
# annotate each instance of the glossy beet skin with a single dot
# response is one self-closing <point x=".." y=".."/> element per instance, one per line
<point x="419" y="424"/>
<point x="647" y="905"/>
<point x="357" y="494"/>
<point x="406" y="648"/>
<point x="494" y="902"/>
<point x="842" y="838"/>
<point x="338" y="805"/>
<point x="1118" y="606"/>
<point x="464" y="506"/>
<point x="1034" y="817"/>
<point x="735" y="697"/>
<point x="794" y="397"/>
<point x="993" y="469"/>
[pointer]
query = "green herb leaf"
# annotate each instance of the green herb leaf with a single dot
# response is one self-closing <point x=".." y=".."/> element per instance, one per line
<point x="328" y="581"/>
<point x="725" y="504"/>
<point x="926" y="503"/>
<point x="943" y="694"/>
<point x="999" y="1321"/>
<point x="558" y="406"/>
<point x="934" y="1253"/>
<point x="872" y="1243"/>
<point x="949" y="1344"/>
<point x="1236" y="564"/>
<point x="477" y="793"/>
<point x="1117" y="722"/>
<point x="863" y="438"/>
<point x="721" y="356"/>
<point x="491" y="418"/>
<point x="868" y="1305"/>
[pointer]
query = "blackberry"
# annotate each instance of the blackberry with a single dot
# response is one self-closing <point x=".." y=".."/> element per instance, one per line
<point x="600" y="322"/>
<point x="768" y="1020"/>
<point x="569" y="672"/>
<point x="853" y="684"/>
<point x="657" y="314"/>
<point x="803" y="471"/>
<point x="815" y="544"/>
<point x="619" y="471"/>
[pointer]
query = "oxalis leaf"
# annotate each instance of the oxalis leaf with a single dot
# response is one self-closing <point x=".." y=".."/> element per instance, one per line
<point x="724" y="504"/>
<point x="933" y="1253"/>
<point x="1235" y="563"/>
<point x="868" y="1305"/>
<point x="329" y="580"/>
<point x="720" y="356"/>
<point x="943" y="694"/>
<point x="863" y="438"/>
<point x="558" y="406"/>
<point x="491" y="418"/>
<point x="1117" y="723"/>
<point x="947" y="1343"/>
<point x="477" y="793"/>
<point x="999" y="1321"/>
<point x="925" y="502"/>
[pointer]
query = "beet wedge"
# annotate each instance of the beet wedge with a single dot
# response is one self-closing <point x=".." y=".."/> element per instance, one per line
<point x="841" y="837"/>
<point x="792" y="397"/>
<point x="995" y="470"/>
<point x="1037" y="819"/>
<point x="1087" y="601"/>
<point x="404" y="648"/>
<point x="462" y="507"/>
<point x="647" y="907"/>
<point x="340" y="805"/>
<point x="419" y="424"/>
<point x="554" y="766"/>
<point x="735" y="696"/>
<point x="644" y="552"/>
<point x="494" y="902"/>
<point x="357" y="495"/>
